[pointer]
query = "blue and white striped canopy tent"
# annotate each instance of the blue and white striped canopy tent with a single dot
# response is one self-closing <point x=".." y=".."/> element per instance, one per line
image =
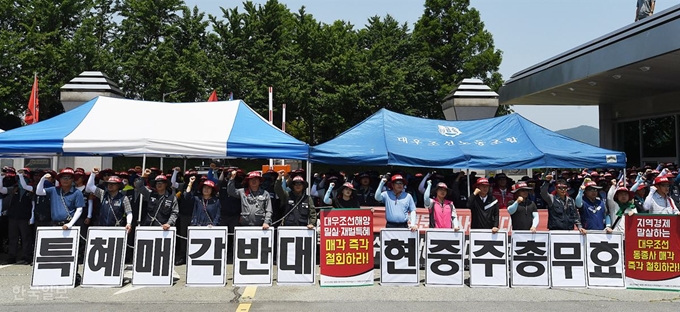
<point x="113" y="127"/>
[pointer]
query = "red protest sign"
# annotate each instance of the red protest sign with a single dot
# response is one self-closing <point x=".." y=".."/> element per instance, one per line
<point x="346" y="247"/>
<point x="653" y="251"/>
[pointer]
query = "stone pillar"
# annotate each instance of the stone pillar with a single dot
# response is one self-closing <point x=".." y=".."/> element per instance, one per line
<point x="80" y="90"/>
<point x="470" y="100"/>
<point x="607" y="125"/>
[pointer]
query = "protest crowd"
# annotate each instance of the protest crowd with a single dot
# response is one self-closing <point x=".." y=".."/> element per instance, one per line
<point x="581" y="200"/>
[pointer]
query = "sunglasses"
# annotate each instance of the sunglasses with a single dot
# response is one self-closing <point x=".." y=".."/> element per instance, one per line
<point x="66" y="178"/>
<point x="562" y="188"/>
<point x="398" y="183"/>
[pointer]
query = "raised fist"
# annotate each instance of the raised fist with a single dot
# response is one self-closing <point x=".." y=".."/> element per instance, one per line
<point x="147" y="172"/>
<point x="332" y="185"/>
<point x="520" y="199"/>
<point x="95" y="170"/>
<point x="549" y="177"/>
<point x="282" y="173"/>
<point x="477" y="191"/>
<point x="213" y="166"/>
<point x="233" y="174"/>
<point x="429" y="182"/>
<point x="47" y="176"/>
<point x="192" y="179"/>
<point x="177" y="169"/>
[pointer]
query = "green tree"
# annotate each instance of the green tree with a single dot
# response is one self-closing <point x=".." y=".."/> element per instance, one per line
<point x="452" y="37"/>
<point x="145" y="50"/>
<point x="47" y="38"/>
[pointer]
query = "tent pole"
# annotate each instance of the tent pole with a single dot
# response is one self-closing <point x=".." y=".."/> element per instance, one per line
<point x="185" y="164"/>
<point x="141" y="197"/>
<point x="467" y="173"/>
<point x="308" y="172"/>
<point x="161" y="163"/>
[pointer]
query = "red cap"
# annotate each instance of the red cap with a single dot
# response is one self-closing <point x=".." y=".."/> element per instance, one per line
<point x="592" y="184"/>
<point x="520" y="186"/>
<point x="209" y="183"/>
<point x="397" y="177"/>
<point x="114" y="179"/>
<point x="631" y="195"/>
<point x="481" y="181"/>
<point x="348" y="185"/>
<point x="661" y="180"/>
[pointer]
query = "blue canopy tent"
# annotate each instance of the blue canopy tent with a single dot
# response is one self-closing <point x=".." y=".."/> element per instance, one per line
<point x="113" y="127"/>
<point x="507" y="142"/>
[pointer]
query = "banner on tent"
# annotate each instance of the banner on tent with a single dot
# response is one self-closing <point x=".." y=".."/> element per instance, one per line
<point x="488" y="258"/>
<point x="296" y="256"/>
<point x="567" y="259"/>
<point x="444" y="257"/>
<point x="207" y="256"/>
<point x="253" y="257"/>
<point x="154" y="256"/>
<point x="530" y="254"/>
<point x="346" y="247"/>
<point x="104" y="256"/>
<point x="652" y="251"/>
<point x="55" y="258"/>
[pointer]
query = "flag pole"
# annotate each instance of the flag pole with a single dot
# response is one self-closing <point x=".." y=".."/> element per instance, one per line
<point x="271" y="118"/>
<point x="283" y="128"/>
<point x="35" y="101"/>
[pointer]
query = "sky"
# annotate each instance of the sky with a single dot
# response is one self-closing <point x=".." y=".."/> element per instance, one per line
<point x="527" y="31"/>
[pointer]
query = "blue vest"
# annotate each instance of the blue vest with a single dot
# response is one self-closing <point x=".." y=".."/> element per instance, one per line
<point x="593" y="214"/>
<point x="112" y="209"/>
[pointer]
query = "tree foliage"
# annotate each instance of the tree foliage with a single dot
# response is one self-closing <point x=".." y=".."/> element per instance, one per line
<point x="330" y="75"/>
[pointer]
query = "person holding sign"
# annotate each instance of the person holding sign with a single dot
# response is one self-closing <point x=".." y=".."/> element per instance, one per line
<point x="163" y="208"/>
<point x="346" y="197"/>
<point x="256" y="204"/>
<point x="66" y="202"/>
<point x="442" y="212"/>
<point x="206" y="207"/>
<point x="400" y="209"/>
<point x="562" y="213"/>
<point x="592" y="208"/>
<point x="659" y="200"/>
<point x="483" y="207"/>
<point x="115" y="206"/>
<point x="523" y="211"/>
<point x="298" y="207"/>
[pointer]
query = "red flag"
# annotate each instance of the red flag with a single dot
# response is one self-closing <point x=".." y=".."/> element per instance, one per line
<point x="32" y="112"/>
<point x="213" y="97"/>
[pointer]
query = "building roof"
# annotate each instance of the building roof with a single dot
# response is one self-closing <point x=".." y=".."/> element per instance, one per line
<point x="636" y="61"/>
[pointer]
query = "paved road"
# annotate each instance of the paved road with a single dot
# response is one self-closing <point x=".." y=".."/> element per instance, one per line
<point x="15" y="295"/>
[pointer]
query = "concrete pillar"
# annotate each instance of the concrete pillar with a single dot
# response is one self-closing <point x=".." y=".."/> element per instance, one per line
<point x="78" y="91"/>
<point x="470" y="100"/>
<point x="607" y="125"/>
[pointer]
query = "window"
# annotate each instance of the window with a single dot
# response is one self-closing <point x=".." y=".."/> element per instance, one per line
<point x="658" y="137"/>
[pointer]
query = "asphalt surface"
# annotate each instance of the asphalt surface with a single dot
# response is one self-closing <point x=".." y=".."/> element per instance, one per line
<point x="15" y="295"/>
